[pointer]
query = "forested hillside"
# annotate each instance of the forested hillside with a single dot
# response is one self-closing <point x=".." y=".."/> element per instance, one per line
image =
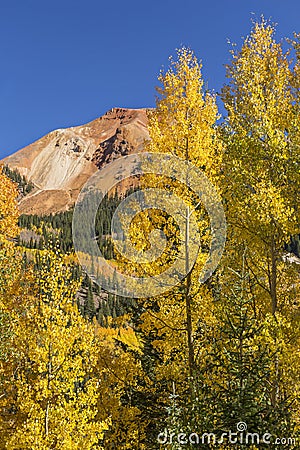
<point x="207" y="363"/>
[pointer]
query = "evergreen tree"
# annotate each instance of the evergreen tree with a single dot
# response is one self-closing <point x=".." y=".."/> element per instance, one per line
<point x="89" y="304"/>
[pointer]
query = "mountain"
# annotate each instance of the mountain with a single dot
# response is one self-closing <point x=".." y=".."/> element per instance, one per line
<point x="61" y="162"/>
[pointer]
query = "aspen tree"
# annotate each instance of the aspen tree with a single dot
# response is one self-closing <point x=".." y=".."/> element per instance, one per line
<point x="260" y="179"/>
<point x="183" y="125"/>
<point x="54" y="394"/>
<point x="260" y="182"/>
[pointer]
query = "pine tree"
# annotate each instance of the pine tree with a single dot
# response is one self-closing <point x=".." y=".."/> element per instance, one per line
<point x="89" y="303"/>
<point x="242" y="355"/>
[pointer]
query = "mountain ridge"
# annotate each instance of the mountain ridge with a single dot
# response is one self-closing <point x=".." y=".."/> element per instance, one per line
<point x="60" y="162"/>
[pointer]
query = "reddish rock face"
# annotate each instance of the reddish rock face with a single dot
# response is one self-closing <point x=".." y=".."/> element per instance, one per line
<point x="62" y="161"/>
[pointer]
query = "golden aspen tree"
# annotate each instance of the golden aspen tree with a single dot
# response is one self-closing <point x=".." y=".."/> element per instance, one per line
<point x="8" y="208"/>
<point x="9" y="261"/>
<point x="53" y="396"/>
<point x="260" y="182"/>
<point x="15" y="291"/>
<point x="294" y="134"/>
<point x="8" y="230"/>
<point x="259" y="167"/>
<point x="120" y="372"/>
<point x="182" y="125"/>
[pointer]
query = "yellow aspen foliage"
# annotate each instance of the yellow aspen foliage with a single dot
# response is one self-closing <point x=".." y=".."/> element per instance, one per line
<point x="8" y="208"/>
<point x="15" y="292"/>
<point x="260" y="181"/>
<point x="260" y="167"/>
<point x="9" y="214"/>
<point x="51" y="402"/>
<point x="183" y="124"/>
<point x="184" y="118"/>
<point x="119" y="373"/>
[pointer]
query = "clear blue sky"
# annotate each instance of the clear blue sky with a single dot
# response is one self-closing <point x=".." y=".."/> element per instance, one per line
<point x="66" y="62"/>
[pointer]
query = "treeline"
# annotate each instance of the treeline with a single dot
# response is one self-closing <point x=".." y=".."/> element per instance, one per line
<point x="59" y="226"/>
<point x="24" y="186"/>
<point x="54" y="227"/>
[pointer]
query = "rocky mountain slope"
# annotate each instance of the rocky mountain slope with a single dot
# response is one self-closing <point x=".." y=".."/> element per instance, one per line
<point x="62" y="161"/>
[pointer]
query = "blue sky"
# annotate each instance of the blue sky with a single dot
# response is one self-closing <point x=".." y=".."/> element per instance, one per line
<point x="65" y="62"/>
